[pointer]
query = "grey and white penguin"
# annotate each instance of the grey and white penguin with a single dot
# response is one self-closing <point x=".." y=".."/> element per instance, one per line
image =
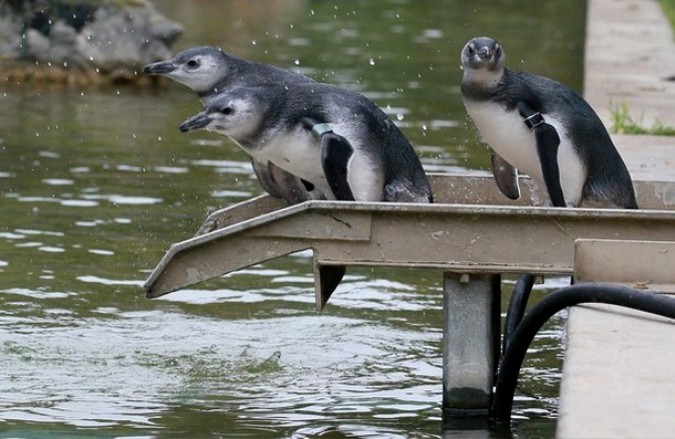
<point x="335" y="138"/>
<point x="207" y="70"/>
<point x="544" y="129"/>
<point x="332" y="137"/>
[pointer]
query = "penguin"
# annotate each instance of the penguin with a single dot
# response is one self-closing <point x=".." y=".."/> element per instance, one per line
<point x="207" y="70"/>
<point x="334" y="138"/>
<point x="544" y="129"/>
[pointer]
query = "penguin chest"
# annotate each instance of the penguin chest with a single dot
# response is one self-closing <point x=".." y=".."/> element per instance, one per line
<point x="296" y="152"/>
<point x="299" y="153"/>
<point x="506" y="133"/>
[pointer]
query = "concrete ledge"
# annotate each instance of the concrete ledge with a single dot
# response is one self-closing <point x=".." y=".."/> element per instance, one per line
<point x="630" y="57"/>
<point x="618" y="375"/>
<point x="648" y="158"/>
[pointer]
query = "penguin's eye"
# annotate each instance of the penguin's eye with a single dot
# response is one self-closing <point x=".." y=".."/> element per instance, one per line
<point x="226" y="110"/>
<point x="471" y="50"/>
<point x="193" y="63"/>
<point x="498" y="49"/>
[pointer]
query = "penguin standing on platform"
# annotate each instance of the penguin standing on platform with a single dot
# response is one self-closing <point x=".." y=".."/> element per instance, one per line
<point x="208" y="71"/>
<point x="335" y="138"/>
<point x="544" y="129"/>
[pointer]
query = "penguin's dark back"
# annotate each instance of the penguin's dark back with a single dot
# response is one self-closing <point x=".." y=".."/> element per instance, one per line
<point x="608" y="176"/>
<point x="385" y="143"/>
<point x="386" y="140"/>
<point x="242" y="72"/>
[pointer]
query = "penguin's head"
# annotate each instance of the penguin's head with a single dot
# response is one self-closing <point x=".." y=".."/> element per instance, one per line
<point x="237" y="114"/>
<point x="483" y="53"/>
<point x="198" y="68"/>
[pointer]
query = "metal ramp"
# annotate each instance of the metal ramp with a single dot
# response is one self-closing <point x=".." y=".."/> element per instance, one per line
<point x="472" y="234"/>
<point x="469" y="229"/>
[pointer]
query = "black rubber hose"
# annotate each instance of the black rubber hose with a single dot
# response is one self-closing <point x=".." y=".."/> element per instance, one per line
<point x="610" y="294"/>
<point x="517" y="303"/>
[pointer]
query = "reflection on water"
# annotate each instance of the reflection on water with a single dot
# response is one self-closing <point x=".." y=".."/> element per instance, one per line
<point x="96" y="183"/>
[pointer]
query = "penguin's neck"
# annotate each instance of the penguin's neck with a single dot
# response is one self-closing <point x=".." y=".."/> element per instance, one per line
<point x="480" y="83"/>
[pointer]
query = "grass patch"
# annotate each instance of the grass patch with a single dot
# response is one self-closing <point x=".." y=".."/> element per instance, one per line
<point x="624" y="123"/>
<point x="668" y="7"/>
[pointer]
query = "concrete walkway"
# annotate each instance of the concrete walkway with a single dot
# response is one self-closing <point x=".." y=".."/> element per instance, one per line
<point x="630" y="58"/>
<point x="617" y="374"/>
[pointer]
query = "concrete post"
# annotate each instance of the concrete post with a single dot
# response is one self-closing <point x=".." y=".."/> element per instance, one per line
<point x="471" y="311"/>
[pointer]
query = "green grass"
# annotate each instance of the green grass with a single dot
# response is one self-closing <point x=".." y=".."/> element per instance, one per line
<point x="624" y="123"/>
<point x="668" y="7"/>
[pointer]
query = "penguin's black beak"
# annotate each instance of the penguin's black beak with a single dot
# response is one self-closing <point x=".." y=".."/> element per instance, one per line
<point x="159" y="68"/>
<point x="196" y="122"/>
<point x="484" y="53"/>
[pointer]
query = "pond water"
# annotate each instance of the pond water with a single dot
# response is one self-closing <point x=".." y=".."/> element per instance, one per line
<point x="96" y="183"/>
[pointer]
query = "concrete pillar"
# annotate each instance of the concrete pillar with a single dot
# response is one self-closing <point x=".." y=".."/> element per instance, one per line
<point x="471" y="330"/>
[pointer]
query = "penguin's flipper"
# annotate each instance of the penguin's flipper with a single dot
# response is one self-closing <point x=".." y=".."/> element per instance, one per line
<point x="336" y="152"/>
<point x="506" y="176"/>
<point x="547" y="147"/>
<point x="547" y="140"/>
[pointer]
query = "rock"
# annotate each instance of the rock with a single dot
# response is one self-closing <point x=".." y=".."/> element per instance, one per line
<point x="114" y="37"/>
<point x="127" y="37"/>
<point x="10" y="33"/>
<point x="37" y="45"/>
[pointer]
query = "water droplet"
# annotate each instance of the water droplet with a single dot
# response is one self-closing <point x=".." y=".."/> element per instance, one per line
<point x="159" y="138"/>
<point x="253" y="42"/>
<point x="296" y="62"/>
<point x="371" y="61"/>
<point x="399" y="117"/>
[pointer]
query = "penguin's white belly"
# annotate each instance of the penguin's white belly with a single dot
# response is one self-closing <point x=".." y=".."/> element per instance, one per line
<point x="508" y="136"/>
<point x="299" y="153"/>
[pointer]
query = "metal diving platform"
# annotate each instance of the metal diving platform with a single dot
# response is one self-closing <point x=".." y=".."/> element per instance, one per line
<point x="472" y="234"/>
